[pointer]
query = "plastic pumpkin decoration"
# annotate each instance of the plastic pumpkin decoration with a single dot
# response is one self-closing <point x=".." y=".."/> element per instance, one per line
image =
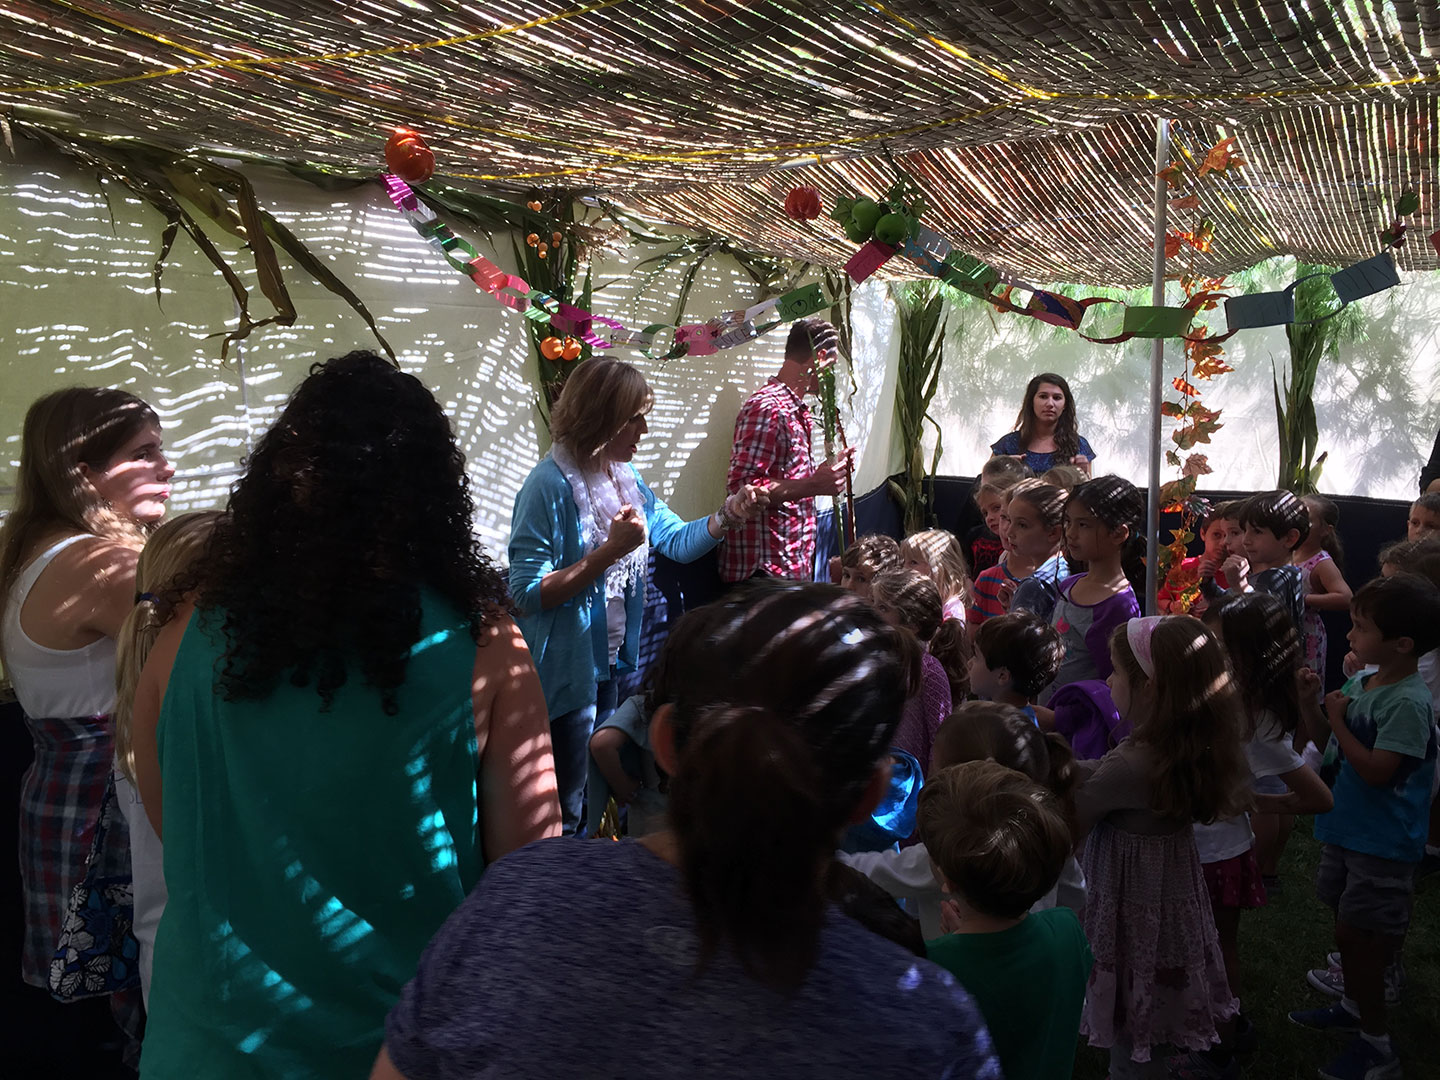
<point x="570" y="349"/>
<point x="803" y="204"/>
<point x="552" y="348"/>
<point x="407" y="156"/>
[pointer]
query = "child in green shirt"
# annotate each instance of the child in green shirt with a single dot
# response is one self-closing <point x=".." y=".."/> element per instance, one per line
<point x="999" y="841"/>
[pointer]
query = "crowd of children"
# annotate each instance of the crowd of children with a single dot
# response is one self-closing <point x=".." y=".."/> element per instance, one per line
<point x="1118" y="789"/>
<point x="978" y="750"/>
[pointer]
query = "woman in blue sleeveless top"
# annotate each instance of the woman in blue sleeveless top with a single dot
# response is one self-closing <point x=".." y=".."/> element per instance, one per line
<point x="333" y="740"/>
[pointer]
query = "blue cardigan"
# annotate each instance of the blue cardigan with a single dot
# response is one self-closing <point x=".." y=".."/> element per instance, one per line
<point x="570" y="642"/>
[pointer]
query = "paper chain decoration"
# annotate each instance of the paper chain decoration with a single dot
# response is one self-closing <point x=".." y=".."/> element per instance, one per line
<point x="925" y="248"/>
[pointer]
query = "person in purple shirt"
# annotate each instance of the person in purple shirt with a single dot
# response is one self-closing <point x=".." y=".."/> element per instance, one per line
<point x="1102" y="517"/>
<point x="707" y="950"/>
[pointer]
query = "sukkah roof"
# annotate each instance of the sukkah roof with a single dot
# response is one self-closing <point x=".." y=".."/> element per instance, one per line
<point x="1028" y="123"/>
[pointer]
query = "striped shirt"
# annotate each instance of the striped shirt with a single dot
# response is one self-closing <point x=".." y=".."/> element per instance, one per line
<point x="988" y="584"/>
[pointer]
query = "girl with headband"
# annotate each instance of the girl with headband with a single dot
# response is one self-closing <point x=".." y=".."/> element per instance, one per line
<point x="1159" y="977"/>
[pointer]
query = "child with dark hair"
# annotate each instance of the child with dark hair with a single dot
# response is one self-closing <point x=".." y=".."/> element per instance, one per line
<point x="872" y="907"/>
<point x="622" y="764"/>
<point x="1424" y="519"/>
<point x="775" y="741"/>
<point x="1275" y="524"/>
<point x="981" y="731"/>
<point x="1014" y="657"/>
<point x="1219" y="530"/>
<point x="1422" y="558"/>
<point x="1102" y="519"/>
<point x="910" y="602"/>
<point x="1264" y="653"/>
<point x="997" y="476"/>
<point x="1322" y="582"/>
<point x="1381" y="759"/>
<point x="866" y="557"/>
<point x="999" y="841"/>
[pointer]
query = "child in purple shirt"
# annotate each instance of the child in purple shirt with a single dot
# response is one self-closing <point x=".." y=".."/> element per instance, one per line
<point x="1101" y="518"/>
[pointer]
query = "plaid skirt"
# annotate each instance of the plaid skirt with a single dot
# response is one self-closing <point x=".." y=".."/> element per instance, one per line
<point x="59" y="806"/>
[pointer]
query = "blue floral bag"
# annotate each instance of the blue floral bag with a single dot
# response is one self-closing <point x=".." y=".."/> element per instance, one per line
<point x="97" y="953"/>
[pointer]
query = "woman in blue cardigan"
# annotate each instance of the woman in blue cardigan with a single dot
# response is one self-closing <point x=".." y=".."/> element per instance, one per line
<point x="580" y="541"/>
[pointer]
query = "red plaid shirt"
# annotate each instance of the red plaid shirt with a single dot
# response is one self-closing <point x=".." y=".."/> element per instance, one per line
<point x="772" y="442"/>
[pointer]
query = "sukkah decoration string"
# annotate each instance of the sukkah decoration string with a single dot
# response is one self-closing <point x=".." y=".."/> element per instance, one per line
<point x="920" y="245"/>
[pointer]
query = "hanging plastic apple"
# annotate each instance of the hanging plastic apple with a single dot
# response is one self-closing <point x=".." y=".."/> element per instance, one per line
<point x="864" y="215"/>
<point x="803" y="204"/>
<point x="407" y="156"/>
<point x="892" y="228"/>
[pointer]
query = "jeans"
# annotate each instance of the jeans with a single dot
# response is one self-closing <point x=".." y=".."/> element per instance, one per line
<point x="570" y="738"/>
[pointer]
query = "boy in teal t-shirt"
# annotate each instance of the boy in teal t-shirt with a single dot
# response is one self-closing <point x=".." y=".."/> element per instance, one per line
<point x="999" y="841"/>
<point x="1381" y="762"/>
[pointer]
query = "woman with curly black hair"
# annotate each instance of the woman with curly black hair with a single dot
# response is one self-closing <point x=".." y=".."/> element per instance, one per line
<point x="308" y="738"/>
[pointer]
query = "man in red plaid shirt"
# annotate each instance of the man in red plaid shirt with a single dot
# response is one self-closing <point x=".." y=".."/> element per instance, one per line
<point x="772" y="451"/>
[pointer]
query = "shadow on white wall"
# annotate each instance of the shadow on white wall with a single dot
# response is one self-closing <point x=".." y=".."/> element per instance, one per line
<point x="80" y="307"/>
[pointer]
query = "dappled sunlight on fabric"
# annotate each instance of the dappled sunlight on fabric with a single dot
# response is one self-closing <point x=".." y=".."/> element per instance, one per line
<point x="244" y="967"/>
<point x="95" y="318"/>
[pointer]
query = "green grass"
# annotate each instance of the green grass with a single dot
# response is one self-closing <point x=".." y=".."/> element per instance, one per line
<point x="1279" y="943"/>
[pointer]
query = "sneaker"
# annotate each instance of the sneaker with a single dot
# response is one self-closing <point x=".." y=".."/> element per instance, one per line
<point x="1331" y="981"/>
<point x="1247" y="1039"/>
<point x="1195" y="1065"/>
<point x="1362" y="1061"/>
<point x="1331" y="1018"/>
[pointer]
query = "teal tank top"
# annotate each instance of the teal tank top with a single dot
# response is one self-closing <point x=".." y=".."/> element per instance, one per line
<point x="310" y="856"/>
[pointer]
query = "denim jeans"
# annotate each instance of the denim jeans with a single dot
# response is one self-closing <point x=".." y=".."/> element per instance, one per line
<point x="570" y="737"/>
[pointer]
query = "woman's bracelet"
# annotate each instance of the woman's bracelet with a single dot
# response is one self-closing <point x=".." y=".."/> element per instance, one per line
<point x="727" y="519"/>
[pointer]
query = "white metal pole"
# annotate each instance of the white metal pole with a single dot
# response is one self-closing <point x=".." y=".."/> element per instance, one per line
<point x="1157" y="373"/>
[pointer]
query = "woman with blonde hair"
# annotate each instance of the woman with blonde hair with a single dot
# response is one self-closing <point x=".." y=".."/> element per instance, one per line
<point x="580" y="541"/>
<point x="92" y="481"/>
<point x="164" y="566"/>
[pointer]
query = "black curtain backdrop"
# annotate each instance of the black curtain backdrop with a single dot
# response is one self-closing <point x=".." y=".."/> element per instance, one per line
<point x="1366" y="525"/>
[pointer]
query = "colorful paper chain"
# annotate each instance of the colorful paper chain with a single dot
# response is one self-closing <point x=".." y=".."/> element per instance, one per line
<point x="926" y="249"/>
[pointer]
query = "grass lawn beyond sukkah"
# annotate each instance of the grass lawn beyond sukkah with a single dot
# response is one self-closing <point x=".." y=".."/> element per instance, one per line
<point x="1279" y="943"/>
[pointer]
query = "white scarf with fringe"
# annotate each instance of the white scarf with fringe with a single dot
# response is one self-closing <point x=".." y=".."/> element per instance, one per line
<point x="599" y="494"/>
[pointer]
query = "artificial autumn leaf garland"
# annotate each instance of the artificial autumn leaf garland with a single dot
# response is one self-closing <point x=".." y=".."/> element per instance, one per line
<point x="1203" y="360"/>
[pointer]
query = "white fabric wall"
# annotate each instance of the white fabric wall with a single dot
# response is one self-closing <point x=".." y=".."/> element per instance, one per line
<point x="77" y="306"/>
<point x="1375" y="405"/>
